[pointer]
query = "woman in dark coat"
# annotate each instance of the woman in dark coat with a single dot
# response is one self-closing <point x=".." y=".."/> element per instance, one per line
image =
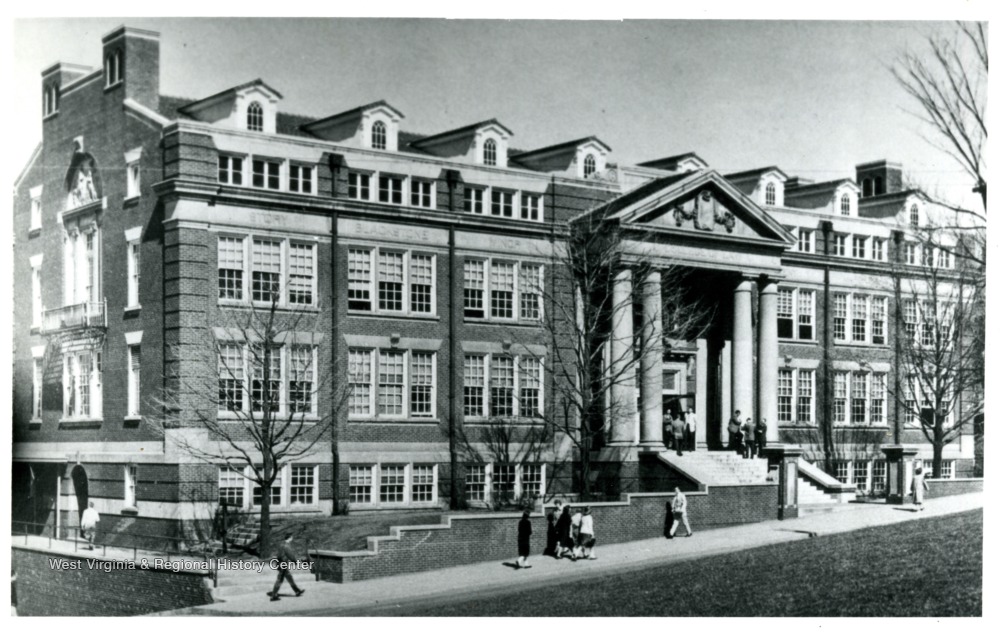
<point x="668" y="521"/>
<point x="552" y="541"/>
<point x="564" y="529"/>
<point x="524" y="540"/>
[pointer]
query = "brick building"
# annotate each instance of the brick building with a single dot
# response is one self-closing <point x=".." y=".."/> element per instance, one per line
<point x="142" y="220"/>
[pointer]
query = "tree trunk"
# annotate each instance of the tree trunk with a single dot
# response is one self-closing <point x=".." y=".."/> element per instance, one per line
<point x="264" y="545"/>
<point x="938" y="445"/>
<point x="335" y="479"/>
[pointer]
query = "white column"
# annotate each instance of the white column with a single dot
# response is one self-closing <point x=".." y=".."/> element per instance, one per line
<point x="742" y="350"/>
<point x="767" y="357"/>
<point x="621" y="411"/>
<point x="651" y="362"/>
<point x="700" y="395"/>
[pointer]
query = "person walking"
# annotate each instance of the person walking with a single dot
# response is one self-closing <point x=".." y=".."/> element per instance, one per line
<point x="678" y="428"/>
<point x="552" y="539"/>
<point x="734" y="432"/>
<point x="668" y="429"/>
<point x="285" y="557"/>
<point x="88" y="523"/>
<point x="679" y="506"/>
<point x="587" y="539"/>
<point x="564" y="531"/>
<point x="749" y="440"/>
<point x="524" y="540"/>
<point x="919" y="487"/>
<point x="760" y="435"/>
<point x="691" y="421"/>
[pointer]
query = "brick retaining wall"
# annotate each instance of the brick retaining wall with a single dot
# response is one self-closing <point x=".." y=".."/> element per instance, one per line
<point x="953" y="487"/>
<point x="86" y="592"/>
<point x="464" y="540"/>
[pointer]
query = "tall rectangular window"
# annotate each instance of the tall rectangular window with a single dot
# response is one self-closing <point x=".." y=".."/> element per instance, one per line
<point x="859" y="397"/>
<point x="475" y="285"/>
<point x="134" y="392"/>
<point x="133" y="271"/>
<point x="266" y="271"/>
<point x="392" y="484"/>
<point x="878" y="319"/>
<point x="266" y="174"/>
<point x="878" y="398"/>
<point x="474" y="385"/>
<point x="131" y="479"/>
<point x="301" y="273"/>
<point x="911" y="253"/>
<point x="860" y="480"/>
<point x="300" y="179"/>
<point x="301" y="379"/>
<point x="390" y="189"/>
<point x="531" y="480"/>
<point x="390" y="383"/>
<point x="786" y="313"/>
<point x="805" y="240"/>
<point x="530" y="282"/>
<point x="390" y="281"/>
<point x="421" y="283"/>
<point x="878" y="476"/>
<point x="231" y="376"/>
<point x="82" y="375"/>
<point x="36" y="209"/>
<point x="422" y="384"/>
<point x="840" y="245"/>
<point x="422" y="193"/>
<point x="474" y="200"/>
<point x="36" y="296"/>
<point x="359" y="279"/>
<point x="531" y="207"/>
<point x="502" y="386"/>
<point x="502" y="290"/>
<point x="231" y="486"/>
<point x="878" y="249"/>
<point x="804" y="403"/>
<point x="502" y="203"/>
<point x="359" y="186"/>
<point x="530" y="383"/>
<point x="859" y="318"/>
<point x="359" y="378"/>
<point x="265" y="389"/>
<point x="840" y="317"/>
<point x="475" y="483"/>
<point x="231" y="170"/>
<point x="910" y="319"/>
<point x="36" y="388"/>
<point x="806" y="307"/>
<point x="303" y="483"/>
<point x="859" y="247"/>
<point x="504" y="481"/>
<point x="230" y="268"/>
<point x="360" y="482"/>
<point x="840" y="397"/>
<point x="275" y="491"/>
<point x="422" y="484"/>
<point x="785" y="395"/>
<point x="132" y="179"/>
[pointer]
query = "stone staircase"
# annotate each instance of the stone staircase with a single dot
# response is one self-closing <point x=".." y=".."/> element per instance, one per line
<point x="821" y="493"/>
<point x="718" y="468"/>
<point x="246" y="534"/>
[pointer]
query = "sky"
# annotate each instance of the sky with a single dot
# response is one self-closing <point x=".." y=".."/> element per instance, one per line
<point x="812" y="97"/>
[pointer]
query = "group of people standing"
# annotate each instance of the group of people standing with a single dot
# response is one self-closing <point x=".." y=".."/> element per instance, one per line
<point x="747" y="437"/>
<point x="678" y="432"/>
<point x="570" y="534"/>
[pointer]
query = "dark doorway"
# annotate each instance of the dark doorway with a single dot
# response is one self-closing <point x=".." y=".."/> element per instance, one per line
<point x="79" y="476"/>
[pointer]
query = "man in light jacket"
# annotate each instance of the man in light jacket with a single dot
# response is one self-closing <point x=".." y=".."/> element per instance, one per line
<point x="88" y="522"/>
<point x="679" y="507"/>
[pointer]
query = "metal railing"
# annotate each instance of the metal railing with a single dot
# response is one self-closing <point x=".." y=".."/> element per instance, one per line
<point x="165" y="547"/>
<point x="90" y="314"/>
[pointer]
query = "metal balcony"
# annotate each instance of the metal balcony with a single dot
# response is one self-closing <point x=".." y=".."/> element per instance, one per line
<point x="79" y="316"/>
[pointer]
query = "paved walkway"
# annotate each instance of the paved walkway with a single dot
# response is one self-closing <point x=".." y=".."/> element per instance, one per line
<point x="383" y="595"/>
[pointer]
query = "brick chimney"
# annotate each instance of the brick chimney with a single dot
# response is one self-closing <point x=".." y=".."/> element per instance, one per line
<point x="131" y="59"/>
<point x="879" y="177"/>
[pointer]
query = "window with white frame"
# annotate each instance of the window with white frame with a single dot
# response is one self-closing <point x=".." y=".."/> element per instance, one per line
<point x="255" y="117"/>
<point x="842" y="471"/>
<point x="133" y="178"/>
<point x="300" y="179"/>
<point x="280" y="270"/>
<point x="270" y="386"/>
<point x="36" y="292"/>
<point x="919" y="402"/>
<point x="859" y="318"/>
<point x="911" y="319"/>
<point x="796" y="310"/>
<point x="878" y="319"/>
<point x="859" y="397"/>
<point x="36" y="388"/>
<point x="475" y="200"/>
<point x="133" y="269"/>
<point x="36" y="209"/>
<point x="390" y="189"/>
<point x="911" y="250"/>
<point x="589" y="166"/>
<point x="770" y="194"/>
<point x="845" y="204"/>
<point x="393" y="384"/>
<point x="362" y="480"/>
<point x="515" y="386"/>
<point x="393" y="484"/>
<point x="490" y="152"/>
<point x="859" y="476"/>
<point x="266" y="174"/>
<point x="840" y="245"/>
<point x="275" y="494"/>
<point x="878" y="404"/>
<point x="131" y="479"/>
<point x="914" y="216"/>
<point x="806" y="240"/>
<point x="422" y="193"/>
<point x="232" y="485"/>
<point x="405" y="282"/>
<point x="501" y="203"/>
<point x="231" y="170"/>
<point x="82" y="271"/>
<point x="82" y="396"/>
<point x="513" y="289"/>
<point x="878" y="249"/>
<point x="302" y="485"/>
<point x="943" y="258"/>
<point x="359" y="185"/>
<point x="503" y="483"/>
<point x="796" y="402"/>
<point x="859" y="247"/>
<point x="134" y="392"/>
<point x="379" y="135"/>
<point x="878" y="476"/>
<point x="867" y="318"/>
<point x="531" y="207"/>
<point x="423" y="487"/>
<point x="113" y="68"/>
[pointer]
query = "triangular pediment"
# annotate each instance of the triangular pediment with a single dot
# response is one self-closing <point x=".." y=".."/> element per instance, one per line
<point x="702" y="203"/>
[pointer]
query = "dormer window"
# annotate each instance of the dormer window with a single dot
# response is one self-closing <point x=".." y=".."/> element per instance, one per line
<point x="255" y="117"/>
<point x="379" y="135"/>
<point x="845" y="204"/>
<point x="914" y="216"/>
<point x="770" y="194"/>
<point x="113" y="68"/>
<point x="50" y="100"/>
<point x="490" y="152"/>
<point x="589" y="166"/>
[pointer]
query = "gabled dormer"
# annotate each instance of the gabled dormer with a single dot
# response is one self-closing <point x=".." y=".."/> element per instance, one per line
<point x="835" y="197"/>
<point x="483" y="143"/>
<point x="582" y="158"/>
<point x="682" y="163"/>
<point x="372" y="126"/>
<point x="765" y="186"/>
<point x="252" y="106"/>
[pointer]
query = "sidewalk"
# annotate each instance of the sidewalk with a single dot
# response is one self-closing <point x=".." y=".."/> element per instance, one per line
<point x="328" y="599"/>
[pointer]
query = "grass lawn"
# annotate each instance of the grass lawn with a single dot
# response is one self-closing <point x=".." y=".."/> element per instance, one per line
<point x="920" y="568"/>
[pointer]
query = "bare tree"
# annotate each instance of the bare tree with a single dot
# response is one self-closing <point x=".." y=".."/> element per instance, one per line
<point x="257" y="393"/>
<point x="950" y="90"/>
<point x="941" y="329"/>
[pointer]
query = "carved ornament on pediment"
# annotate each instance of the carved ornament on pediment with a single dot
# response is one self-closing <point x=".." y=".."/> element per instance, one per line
<point x="705" y="211"/>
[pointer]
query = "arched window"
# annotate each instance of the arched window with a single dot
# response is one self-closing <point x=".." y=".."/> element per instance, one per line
<point x="845" y="204"/>
<point x="589" y="166"/>
<point x="490" y="152"/>
<point x="378" y="135"/>
<point x="879" y="185"/>
<point x="914" y="216"/>
<point x="113" y="68"/>
<point x="255" y="117"/>
<point x="770" y="194"/>
<point x="866" y="187"/>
